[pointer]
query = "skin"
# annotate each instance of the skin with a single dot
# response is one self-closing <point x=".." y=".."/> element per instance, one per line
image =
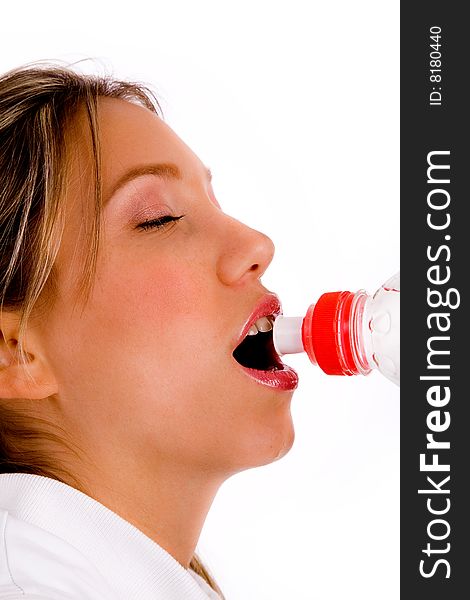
<point x="142" y="377"/>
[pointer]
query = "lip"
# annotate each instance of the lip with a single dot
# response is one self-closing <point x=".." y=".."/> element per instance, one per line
<point x="269" y="304"/>
<point x="285" y="378"/>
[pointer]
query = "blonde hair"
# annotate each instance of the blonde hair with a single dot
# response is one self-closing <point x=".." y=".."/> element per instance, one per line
<point x="38" y="103"/>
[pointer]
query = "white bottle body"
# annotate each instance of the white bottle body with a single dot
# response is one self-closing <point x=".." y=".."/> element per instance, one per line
<point x="382" y="329"/>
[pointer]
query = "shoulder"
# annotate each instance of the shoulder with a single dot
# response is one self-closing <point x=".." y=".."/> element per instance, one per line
<point x="37" y="565"/>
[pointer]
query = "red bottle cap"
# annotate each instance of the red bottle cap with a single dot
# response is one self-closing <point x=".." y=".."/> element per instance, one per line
<point x="326" y="334"/>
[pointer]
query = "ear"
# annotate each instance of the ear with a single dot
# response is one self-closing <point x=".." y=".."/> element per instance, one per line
<point x="33" y="379"/>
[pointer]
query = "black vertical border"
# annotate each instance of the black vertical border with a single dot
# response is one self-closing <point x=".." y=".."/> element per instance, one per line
<point x="423" y="129"/>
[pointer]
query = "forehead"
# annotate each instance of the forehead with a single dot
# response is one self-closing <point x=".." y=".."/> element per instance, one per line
<point x="130" y="135"/>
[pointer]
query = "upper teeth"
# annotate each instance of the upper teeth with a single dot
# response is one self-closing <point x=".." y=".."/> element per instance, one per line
<point x="262" y="324"/>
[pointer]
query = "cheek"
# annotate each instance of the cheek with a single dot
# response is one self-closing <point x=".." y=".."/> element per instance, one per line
<point x="153" y="310"/>
<point x="156" y="293"/>
<point x="131" y="342"/>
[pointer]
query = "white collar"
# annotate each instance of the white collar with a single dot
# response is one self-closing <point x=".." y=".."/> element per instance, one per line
<point x="136" y="566"/>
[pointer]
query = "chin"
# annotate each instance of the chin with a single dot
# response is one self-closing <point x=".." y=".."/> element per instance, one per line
<point x="281" y="437"/>
<point x="269" y="447"/>
<point x="287" y="444"/>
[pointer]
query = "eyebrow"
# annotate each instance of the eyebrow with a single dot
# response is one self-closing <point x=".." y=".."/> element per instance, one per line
<point x="166" y="171"/>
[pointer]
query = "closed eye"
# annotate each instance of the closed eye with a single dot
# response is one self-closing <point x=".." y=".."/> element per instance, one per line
<point x="160" y="222"/>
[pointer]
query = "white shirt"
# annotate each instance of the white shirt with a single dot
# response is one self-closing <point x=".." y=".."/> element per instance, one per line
<point x="57" y="543"/>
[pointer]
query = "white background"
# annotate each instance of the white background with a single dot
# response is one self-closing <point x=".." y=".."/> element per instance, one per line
<point x="295" y="107"/>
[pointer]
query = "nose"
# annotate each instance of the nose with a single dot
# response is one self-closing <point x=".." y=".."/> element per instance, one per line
<point x="246" y="253"/>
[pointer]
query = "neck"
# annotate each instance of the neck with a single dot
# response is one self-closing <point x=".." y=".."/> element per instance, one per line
<point x="170" y="507"/>
<point x="167" y="500"/>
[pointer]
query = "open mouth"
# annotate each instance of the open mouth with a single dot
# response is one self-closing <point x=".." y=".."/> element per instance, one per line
<point x="256" y="351"/>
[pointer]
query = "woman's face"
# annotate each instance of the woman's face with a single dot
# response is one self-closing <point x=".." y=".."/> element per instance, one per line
<point x="145" y="371"/>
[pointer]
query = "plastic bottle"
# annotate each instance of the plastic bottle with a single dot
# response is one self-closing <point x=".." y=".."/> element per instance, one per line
<point x="347" y="333"/>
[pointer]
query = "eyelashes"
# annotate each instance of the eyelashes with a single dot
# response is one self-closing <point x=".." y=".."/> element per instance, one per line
<point x="159" y="223"/>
